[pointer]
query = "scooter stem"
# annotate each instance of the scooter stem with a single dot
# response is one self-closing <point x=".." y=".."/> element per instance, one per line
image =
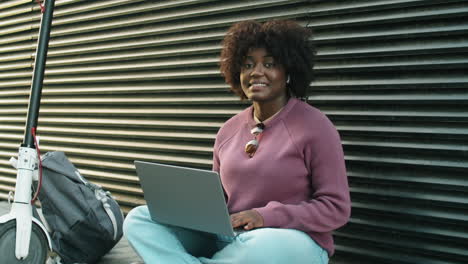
<point x="27" y="156"/>
<point x="21" y="207"/>
<point x="38" y="74"/>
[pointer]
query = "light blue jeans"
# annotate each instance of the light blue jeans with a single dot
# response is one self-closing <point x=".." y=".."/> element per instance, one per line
<point x="161" y="244"/>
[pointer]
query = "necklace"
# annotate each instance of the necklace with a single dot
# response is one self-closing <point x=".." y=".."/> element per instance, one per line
<point x="252" y="146"/>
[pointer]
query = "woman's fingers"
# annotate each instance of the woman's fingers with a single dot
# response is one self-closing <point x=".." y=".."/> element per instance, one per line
<point x="249" y="226"/>
<point x="249" y="219"/>
<point x="238" y="220"/>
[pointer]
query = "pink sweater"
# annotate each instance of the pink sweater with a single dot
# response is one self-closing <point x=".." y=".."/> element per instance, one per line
<point x="296" y="179"/>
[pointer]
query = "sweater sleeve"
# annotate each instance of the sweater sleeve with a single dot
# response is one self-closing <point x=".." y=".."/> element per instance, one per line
<point x="216" y="146"/>
<point x="329" y="205"/>
<point x="215" y="157"/>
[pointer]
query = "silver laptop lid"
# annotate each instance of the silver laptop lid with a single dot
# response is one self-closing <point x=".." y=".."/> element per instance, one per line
<point x="185" y="197"/>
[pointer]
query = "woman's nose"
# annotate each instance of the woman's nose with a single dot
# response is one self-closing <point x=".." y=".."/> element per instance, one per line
<point x="257" y="70"/>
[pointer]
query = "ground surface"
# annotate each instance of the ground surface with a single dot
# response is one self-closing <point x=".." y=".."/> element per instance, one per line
<point x="122" y="253"/>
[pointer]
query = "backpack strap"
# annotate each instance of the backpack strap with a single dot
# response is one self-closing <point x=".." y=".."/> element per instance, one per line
<point x="101" y="195"/>
<point x="109" y="212"/>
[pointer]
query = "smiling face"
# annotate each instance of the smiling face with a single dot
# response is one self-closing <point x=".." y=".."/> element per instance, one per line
<point x="262" y="79"/>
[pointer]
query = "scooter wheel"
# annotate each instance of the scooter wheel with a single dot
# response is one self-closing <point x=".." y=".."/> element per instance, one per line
<point x="38" y="247"/>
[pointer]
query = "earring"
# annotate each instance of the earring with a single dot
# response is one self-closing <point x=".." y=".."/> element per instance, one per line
<point x="288" y="80"/>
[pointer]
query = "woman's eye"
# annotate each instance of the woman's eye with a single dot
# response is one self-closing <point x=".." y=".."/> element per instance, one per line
<point x="269" y="65"/>
<point x="247" y="65"/>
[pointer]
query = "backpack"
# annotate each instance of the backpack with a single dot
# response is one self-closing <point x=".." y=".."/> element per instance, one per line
<point x="84" y="221"/>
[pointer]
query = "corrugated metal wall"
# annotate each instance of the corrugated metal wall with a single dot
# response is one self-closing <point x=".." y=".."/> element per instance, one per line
<point x="134" y="79"/>
<point x="16" y="49"/>
<point x="393" y="77"/>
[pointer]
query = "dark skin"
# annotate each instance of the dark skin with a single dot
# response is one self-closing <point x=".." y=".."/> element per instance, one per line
<point x="264" y="83"/>
<point x="248" y="219"/>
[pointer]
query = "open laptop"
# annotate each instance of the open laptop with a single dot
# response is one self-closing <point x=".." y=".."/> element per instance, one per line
<point x="185" y="197"/>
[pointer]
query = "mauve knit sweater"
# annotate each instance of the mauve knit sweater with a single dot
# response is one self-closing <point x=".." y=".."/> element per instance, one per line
<point x="296" y="179"/>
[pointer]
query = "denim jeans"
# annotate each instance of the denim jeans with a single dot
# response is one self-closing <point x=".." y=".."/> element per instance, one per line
<point x="163" y="244"/>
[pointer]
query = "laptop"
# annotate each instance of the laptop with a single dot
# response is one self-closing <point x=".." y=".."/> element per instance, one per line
<point x="185" y="197"/>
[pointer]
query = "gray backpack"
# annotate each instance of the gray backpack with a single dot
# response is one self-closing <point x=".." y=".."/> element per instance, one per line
<point x="84" y="221"/>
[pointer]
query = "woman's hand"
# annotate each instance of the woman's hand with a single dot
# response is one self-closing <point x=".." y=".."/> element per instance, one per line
<point x="248" y="219"/>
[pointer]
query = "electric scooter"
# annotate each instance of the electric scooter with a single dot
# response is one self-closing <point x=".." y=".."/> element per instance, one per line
<point x="23" y="238"/>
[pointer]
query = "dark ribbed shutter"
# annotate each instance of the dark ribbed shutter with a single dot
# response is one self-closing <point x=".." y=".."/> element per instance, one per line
<point x="392" y="75"/>
<point x="130" y="80"/>
<point x="16" y="49"/>
<point x="126" y="80"/>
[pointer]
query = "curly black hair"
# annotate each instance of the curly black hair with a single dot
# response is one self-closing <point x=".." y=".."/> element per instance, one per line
<point x="287" y="42"/>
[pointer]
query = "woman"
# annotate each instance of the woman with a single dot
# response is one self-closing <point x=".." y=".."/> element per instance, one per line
<point x="280" y="160"/>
